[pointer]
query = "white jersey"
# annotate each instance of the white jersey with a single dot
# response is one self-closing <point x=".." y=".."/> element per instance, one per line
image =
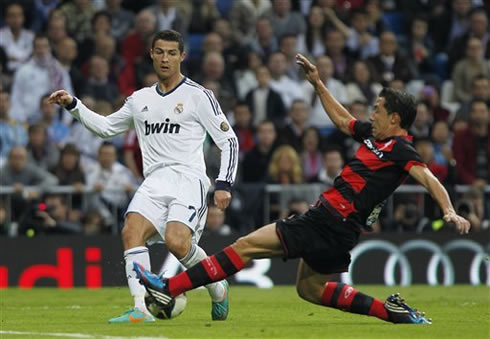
<point x="171" y="128"/>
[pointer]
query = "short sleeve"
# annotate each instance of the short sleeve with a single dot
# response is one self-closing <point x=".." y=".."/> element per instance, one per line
<point x="360" y="130"/>
<point x="405" y="156"/>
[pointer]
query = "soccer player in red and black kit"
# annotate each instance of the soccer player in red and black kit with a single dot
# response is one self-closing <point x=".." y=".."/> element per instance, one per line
<point x="324" y="235"/>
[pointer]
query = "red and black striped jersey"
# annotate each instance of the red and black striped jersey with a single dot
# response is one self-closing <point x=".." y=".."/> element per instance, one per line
<point x="367" y="180"/>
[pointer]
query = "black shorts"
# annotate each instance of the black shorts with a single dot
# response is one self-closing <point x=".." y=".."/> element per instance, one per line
<point x="322" y="240"/>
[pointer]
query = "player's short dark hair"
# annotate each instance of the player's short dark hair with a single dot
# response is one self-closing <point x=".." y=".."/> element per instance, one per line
<point x="169" y="35"/>
<point x="401" y="103"/>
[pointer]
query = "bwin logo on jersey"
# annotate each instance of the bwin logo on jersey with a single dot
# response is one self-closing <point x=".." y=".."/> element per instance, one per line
<point x="373" y="148"/>
<point x="161" y="127"/>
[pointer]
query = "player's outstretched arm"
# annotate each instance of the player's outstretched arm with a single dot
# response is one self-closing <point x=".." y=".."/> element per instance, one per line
<point x="104" y="127"/>
<point x="424" y="176"/>
<point x="336" y="112"/>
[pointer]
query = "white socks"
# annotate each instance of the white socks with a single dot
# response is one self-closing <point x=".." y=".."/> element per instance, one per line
<point x="140" y="255"/>
<point x="196" y="254"/>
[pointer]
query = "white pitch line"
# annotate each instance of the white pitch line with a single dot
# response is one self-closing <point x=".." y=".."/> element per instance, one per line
<point x="75" y="335"/>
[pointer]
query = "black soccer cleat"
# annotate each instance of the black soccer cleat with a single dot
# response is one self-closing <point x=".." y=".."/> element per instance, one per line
<point x="400" y="313"/>
<point x="155" y="286"/>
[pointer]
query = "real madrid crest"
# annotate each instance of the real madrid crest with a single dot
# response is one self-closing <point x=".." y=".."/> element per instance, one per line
<point x="224" y="126"/>
<point x="179" y="108"/>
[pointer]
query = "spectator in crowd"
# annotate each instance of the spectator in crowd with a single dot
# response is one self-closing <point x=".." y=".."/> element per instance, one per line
<point x="134" y="47"/>
<point x="19" y="173"/>
<point x="419" y="46"/>
<point x="5" y="224"/>
<point x="69" y="169"/>
<point x="57" y="131"/>
<point x="66" y="53"/>
<point x="12" y="133"/>
<point x="430" y="95"/>
<point x="480" y="89"/>
<point x="316" y="31"/>
<point x="264" y="101"/>
<point x="256" y="162"/>
<point x="133" y="159"/>
<point x="51" y="217"/>
<point x="42" y="153"/>
<point x="213" y="69"/>
<point x="92" y="223"/>
<point x="79" y="15"/>
<point x="56" y="30"/>
<point x="441" y="140"/>
<point x="338" y="54"/>
<point x="362" y="87"/>
<point x="243" y="17"/>
<point x="122" y="20"/>
<point x="265" y="42"/>
<point x="296" y="124"/>
<point x="203" y="14"/>
<point x="451" y="24"/>
<point x="285" y="167"/>
<point x="41" y="74"/>
<point x="425" y="148"/>
<point x="41" y="12"/>
<point x="106" y="178"/>
<point x="243" y="127"/>
<point x="471" y="147"/>
<point x="406" y="217"/>
<point x="359" y="40"/>
<point x="288" y="46"/>
<point x="374" y="11"/>
<point x="478" y="30"/>
<point x="98" y="85"/>
<point x="232" y="49"/>
<point x="168" y="16"/>
<point x="244" y="77"/>
<point x="389" y="64"/>
<point x="101" y="25"/>
<point x="332" y="166"/>
<point x="281" y="83"/>
<point x="284" y="21"/>
<point x="472" y="208"/>
<point x="69" y="173"/>
<point x="311" y="156"/>
<point x="14" y="38"/>
<point x="473" y="65"/>
<point x="318" y="117"/>
<point x="422" y="123"/>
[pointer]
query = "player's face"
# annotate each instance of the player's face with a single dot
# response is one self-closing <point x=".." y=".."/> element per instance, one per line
<point x="380" y="120"/>
<point x="166" y="58"/>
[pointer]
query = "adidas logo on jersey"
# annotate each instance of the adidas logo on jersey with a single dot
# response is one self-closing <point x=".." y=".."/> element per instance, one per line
<point x="161" y="127"/>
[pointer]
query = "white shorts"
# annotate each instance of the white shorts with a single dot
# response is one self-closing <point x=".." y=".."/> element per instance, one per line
<point x="168" y="195"/>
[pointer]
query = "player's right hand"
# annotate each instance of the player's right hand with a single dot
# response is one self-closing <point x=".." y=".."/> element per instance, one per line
<point x="61" y="97"/>
<point x="311" y="71"/>
<point x="462" y="225"/>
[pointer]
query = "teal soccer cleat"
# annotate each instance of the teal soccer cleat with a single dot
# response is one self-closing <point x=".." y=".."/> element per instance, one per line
<point x="132" y="316"/>
<point x="220" y="309"/>
<point x="400" y="313"/>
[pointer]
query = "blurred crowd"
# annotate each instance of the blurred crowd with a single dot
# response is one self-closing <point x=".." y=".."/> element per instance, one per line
<point x="244" y="51"/>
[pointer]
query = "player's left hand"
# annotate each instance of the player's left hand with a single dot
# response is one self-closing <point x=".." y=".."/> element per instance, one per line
<point x="462" y="225"/>
<point x="222" y="199"/>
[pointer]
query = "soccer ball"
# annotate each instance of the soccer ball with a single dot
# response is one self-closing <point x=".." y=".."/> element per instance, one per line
<point x="172" y="310"/>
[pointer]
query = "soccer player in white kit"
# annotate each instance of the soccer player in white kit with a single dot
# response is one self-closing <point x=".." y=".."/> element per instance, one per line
<point x="171" y="119"/>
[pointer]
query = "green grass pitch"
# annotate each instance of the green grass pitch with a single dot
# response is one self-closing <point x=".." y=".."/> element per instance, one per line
<point x="457" y="312"/>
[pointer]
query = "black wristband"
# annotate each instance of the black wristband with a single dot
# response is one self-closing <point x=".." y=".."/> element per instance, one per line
<point x="72" y="104"/>
<point x="222" y="186"/>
